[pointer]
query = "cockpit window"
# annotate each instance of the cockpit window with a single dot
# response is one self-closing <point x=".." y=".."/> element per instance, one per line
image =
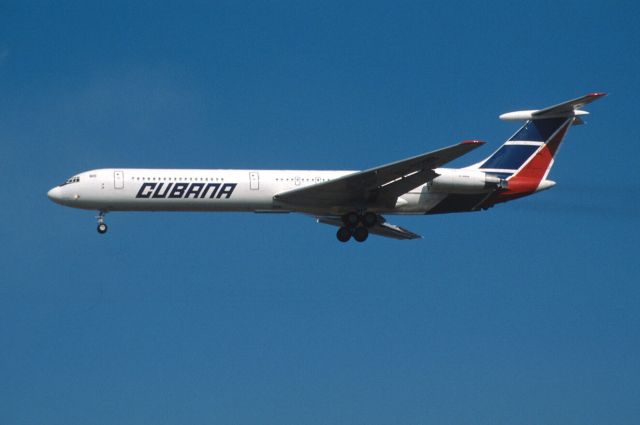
<point x="74" y="179"/>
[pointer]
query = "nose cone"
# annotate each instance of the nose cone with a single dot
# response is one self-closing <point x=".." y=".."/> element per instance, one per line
<point x="55" y="195"/>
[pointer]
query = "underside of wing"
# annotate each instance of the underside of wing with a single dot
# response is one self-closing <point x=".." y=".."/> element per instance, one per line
<point x="381" y="228"/>
<point x="376" y="187"/>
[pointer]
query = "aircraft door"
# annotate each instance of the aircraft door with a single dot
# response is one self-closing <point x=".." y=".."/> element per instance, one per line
<point x="254" y="180"/>
<point x="118" y="179"/>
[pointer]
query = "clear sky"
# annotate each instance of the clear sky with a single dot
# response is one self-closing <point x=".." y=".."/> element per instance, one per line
<point x="524" y="314"/>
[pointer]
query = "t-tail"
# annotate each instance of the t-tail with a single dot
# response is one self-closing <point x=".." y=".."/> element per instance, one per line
<point x="525" y="160"/>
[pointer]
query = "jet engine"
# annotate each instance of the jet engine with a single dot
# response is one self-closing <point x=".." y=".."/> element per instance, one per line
<point x="465" y="181"/>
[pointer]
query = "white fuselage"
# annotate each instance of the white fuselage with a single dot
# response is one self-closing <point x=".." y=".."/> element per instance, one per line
<point x="131" y="189"/>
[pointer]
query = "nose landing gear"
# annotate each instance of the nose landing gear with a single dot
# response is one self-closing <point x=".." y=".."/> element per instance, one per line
<point x="102" y="226"/>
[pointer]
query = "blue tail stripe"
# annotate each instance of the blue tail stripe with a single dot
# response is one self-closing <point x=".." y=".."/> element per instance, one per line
<point x="510" y="157"/>
<point x="538" y="130"/>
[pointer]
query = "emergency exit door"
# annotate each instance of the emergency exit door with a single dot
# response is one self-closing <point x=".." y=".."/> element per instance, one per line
<point x="254" y="180"/>
<point x="118" y="179"/>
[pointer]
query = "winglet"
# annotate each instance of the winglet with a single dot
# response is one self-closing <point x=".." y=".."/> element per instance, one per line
<point x="570" y="108"/>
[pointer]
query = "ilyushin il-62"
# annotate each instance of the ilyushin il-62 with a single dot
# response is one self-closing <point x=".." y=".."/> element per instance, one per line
<point x="356" y="202"/>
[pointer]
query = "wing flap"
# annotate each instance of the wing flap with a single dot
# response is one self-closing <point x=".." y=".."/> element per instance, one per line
<point x="382" y="228"/>
<point x="389" y="230"/>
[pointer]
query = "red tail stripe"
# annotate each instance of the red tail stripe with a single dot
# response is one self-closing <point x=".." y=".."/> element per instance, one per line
<point x="537" y="167"/>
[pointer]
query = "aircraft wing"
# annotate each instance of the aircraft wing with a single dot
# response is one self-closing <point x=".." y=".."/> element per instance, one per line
<point x="381" y="228"/>
<point x="379" y="186"/>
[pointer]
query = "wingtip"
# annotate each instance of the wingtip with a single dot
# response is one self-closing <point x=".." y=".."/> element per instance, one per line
<point x="597" y="94"/>
<point x="472" y="142"/>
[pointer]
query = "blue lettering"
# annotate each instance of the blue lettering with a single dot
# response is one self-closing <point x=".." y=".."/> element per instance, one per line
<point x="178" y="190"/>
<point x="215" y="187"/>
<point x="194" y="189"/>
<point x="157" y="193"/>
<point x="227" y="189"/>
<point x="143" y="192"/>
<point x="186" y="190"/>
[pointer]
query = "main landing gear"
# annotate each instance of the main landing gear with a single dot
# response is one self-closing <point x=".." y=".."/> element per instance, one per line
<point x="102" y="226"/>
<point x="356" y="226"/>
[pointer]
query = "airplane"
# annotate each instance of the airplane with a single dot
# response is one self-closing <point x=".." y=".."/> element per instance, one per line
<point x="353" y="201"/>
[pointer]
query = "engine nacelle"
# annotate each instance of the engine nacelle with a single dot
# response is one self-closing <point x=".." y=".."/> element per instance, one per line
<point x="465" y="181"/>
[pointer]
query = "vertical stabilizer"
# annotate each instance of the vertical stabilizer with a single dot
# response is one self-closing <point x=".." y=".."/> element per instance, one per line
<point x="527" y="157"/>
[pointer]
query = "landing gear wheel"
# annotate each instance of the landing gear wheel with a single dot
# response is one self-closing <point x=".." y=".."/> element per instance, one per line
<point x="351" y="219"/>
<point x="343" y="234"/>
<point x="102" y="227"/>
<point x="369" y="219"/>
<point x="360" y="234"/>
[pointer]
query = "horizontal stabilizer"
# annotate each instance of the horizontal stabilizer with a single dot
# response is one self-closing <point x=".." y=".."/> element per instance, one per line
<point x="569" y="108"/>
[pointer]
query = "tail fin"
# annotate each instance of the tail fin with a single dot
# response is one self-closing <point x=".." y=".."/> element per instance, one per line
<point x="527" y="157"/>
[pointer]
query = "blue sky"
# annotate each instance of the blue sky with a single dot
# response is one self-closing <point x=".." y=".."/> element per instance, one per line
<point x="527" y="313"/>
